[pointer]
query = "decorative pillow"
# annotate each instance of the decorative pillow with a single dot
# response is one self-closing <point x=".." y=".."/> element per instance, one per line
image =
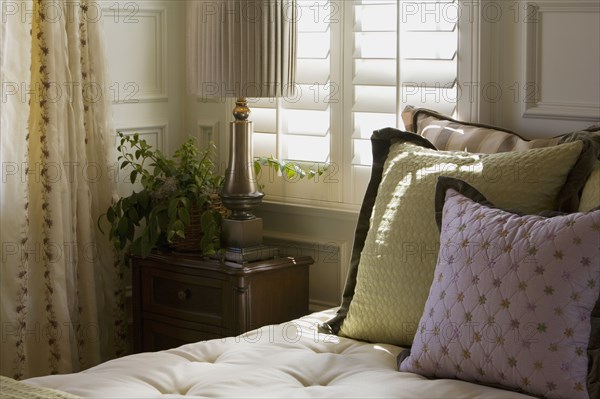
<point x="590" y="196"/>
<point x="391" y="273"/>
<point x="449" y="134"/>
<point x="511" y="300"/>
<point x="408" y="114"/>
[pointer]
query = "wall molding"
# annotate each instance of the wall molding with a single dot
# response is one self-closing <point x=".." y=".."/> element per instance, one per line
<point x="470" y="62"/>
<point x="132" y="13"/>
<point x="208" y="131"/>
<point x="533" y="106"/>
<point x="160" y="130"/>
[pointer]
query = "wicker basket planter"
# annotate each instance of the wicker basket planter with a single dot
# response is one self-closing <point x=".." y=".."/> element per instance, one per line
<point x="193" y="231"/>
<point x="193" y="234"/>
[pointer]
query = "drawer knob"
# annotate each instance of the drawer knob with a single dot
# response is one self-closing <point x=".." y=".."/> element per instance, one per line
<point x="182" y="295"/>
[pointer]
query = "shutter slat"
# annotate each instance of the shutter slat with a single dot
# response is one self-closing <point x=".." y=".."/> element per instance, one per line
<point x="306" y="122"/>
<point x="309" y="97"/>
<point x="313" y="45"/>
<point x="264" y="144"/>
<point x="374" y="99"/>
<point x="429" y="45"/>
<point x="362" y="152"/>
<point x="367" y="122"/>
<point x="297" y="148"/>
<point x="428" y="72"/>
<point x="312" y="71"/>
<point x="375" y="72"/>
<point x="264" y="120"/>
<point x="266" y="102"/>
<point x="379" y="17"/>
<point x="311" y="18"/>
<point x="438" y="99"/>
<point x="375" y="45"/>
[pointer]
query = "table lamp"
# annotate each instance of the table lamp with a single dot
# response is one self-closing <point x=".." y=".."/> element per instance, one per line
<point x="241" y="49"/>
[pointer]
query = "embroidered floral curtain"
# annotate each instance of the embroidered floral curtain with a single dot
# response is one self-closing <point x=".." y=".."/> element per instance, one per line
<point x="61" y="293"/>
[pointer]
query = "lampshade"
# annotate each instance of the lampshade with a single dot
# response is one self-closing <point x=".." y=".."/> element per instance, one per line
<point x="241" y="48"/>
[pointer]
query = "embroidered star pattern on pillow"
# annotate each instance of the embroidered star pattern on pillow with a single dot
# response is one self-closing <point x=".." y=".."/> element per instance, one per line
<point x="511" y="300"/>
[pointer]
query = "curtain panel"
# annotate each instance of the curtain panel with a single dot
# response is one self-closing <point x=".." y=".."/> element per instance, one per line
<point x="62" y="302"/>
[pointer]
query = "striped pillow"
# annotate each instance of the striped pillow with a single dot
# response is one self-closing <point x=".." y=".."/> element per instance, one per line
<point x="448" y="134"/>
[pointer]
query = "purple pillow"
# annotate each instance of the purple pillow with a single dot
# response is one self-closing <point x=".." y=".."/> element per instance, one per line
<point x="511" y="299"/>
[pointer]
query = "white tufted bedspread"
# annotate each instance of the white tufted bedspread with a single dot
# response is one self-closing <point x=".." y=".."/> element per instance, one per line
<point x="284" y="361"/>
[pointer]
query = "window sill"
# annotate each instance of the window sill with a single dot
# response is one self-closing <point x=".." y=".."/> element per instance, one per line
<point x="313" y="208"/>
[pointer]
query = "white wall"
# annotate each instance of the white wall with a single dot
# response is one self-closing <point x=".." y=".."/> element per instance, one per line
<point x="558" y="52"/>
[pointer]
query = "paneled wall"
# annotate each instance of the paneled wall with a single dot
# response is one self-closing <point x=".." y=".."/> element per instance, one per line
<point x="540" y="65"/>
<point x="145" y="50"/>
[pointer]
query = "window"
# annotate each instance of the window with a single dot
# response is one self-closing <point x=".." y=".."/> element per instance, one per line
<point x="390" y="53"/>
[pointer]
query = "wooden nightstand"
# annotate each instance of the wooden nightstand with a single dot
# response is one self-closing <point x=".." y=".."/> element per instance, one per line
<point x="179" y="298"/>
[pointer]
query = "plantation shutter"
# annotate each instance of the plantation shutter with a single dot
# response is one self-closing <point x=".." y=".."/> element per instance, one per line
<point x="298" y="128"/>
<point x="404" y="52"/>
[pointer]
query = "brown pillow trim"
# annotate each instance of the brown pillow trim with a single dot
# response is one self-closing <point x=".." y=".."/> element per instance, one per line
<point x="417" y="113"/>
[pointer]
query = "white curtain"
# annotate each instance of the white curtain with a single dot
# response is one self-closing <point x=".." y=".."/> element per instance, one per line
<point x="61" y="294"/>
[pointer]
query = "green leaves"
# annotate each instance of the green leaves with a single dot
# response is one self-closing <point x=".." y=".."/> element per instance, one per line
<point x="210" y="222"/>
<point x="158" y="213"/>
<point x="173" y="203"/>
<point x="290" y="170"/>
<point x="122" y="226"/>
<point x="184" y="215"/>
<point x="176" y="227"/>
<point x="133" y="176"/>
<point x="110" y="215"/>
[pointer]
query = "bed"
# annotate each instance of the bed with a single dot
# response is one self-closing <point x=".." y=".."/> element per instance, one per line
<point x="287" y="360"/>
<point x="474" y="274"/>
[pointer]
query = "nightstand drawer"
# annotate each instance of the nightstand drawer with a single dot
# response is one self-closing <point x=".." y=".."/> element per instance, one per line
<point x="183" y="296"/>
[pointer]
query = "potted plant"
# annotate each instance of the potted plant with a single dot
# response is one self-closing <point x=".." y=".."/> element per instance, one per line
<point x="178" y="205"/>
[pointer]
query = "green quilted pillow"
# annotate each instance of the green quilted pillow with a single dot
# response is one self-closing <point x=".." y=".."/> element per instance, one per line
<point x="394" y="270"/>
